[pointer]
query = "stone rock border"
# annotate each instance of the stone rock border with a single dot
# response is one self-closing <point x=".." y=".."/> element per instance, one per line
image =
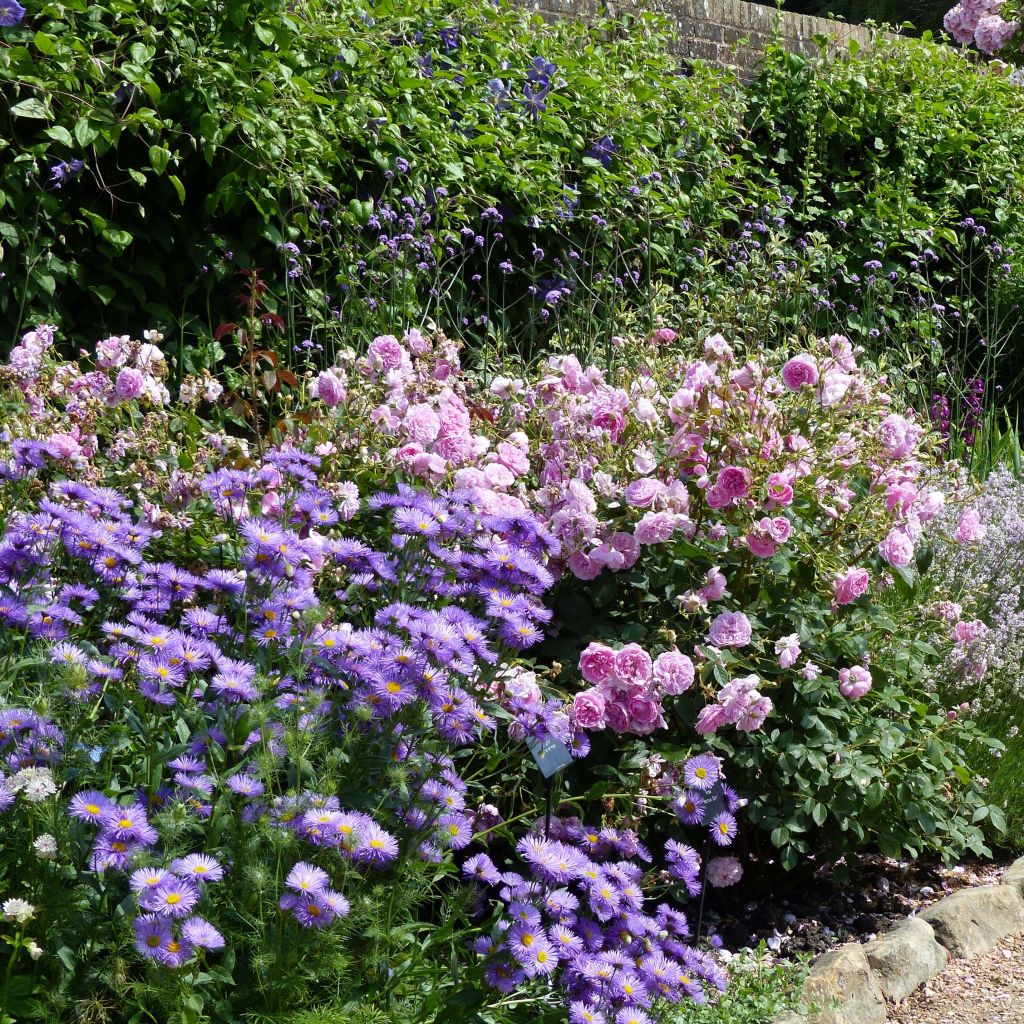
<point x="851" y="984"/>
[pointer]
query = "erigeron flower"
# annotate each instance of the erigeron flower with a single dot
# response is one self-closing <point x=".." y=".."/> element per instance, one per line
<point x="45" y="847"/>
<point x="35" y="784"/>
<point x="17" y="910"/>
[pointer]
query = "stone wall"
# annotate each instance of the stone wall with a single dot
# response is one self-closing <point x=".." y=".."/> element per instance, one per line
<point x="726" y="32"/>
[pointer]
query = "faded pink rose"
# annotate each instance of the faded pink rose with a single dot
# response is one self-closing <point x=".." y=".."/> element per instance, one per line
<point x="834" y="387"/>
<point x="386" y="353"/>
<point x="967" y="631"/>
<point x="655" y="528"/>
<point x="129" y="383"/>
<point x="597" y="663"/>
<point x="715" y="584"/>
<point x="724" y="871"/>
<point x="421" y="423"/>
<point x="849" y="584"/>
<point x="64" y="446"/>
<point x="800" y="371"/>
<point x="329" y="388"/>
<point x="641" y="493"/>
<point x="588" y="709"/>
<point x="854" y="682"/>
<point x="710" y="719"/>
<point x="897" y="549"/>
<point x="788" y="650"/>
<point x="673" y="673"/>
<point x="633" y="665"/>
<point x="583" y="567"/>
<point x="730" y="629"/>
<point x="970" y="528"/>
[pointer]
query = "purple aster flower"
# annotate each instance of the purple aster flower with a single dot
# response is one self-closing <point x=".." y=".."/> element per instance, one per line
<point x="723" y="828"/>
<point x="147" y="879"/>
<point x="306" y="878"/>
<point x="153" y="933"/>
<point x="200" y="866"/>
<point x="90" y="805"/>
<point x="689" y="808"/>
<point x="455" y="830"/>
<point x="200" y="933"/>
<point x="584" y="1013"/>
<point x="377" y="846"/>
<point x="174" y="897"/>
<point x="702" y="772"/>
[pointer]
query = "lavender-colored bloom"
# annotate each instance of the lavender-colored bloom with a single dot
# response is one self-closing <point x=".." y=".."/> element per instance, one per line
<point x="11" y="13"/>
<point x="201" y="934"/>
<point x="199" y="866"/>
<point x="305" y="878"/>
<point x="723" y="828"/>
<point x="153" y="933"/>
<point x="173" y="897"/>
<point x="702" y="772"/>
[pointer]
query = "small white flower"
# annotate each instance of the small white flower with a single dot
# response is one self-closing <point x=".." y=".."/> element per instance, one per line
<point x="45" y="847"/>
<point x="34" y="950"/>
<point x="17" y="910"/>
<point x="35" y="784"/>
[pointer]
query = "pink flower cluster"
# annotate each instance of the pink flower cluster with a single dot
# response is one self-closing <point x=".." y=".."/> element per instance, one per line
<point x="738" y="703"/>
<point x="628" y="687"/>
<point x="975" y="21"/>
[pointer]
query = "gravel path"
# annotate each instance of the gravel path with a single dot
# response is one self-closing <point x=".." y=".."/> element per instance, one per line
<point x="986" y="990"/>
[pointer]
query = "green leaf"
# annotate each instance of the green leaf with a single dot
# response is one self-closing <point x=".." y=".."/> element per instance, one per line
<point x="118" y="238"/>
<point x="819" y="813"/>
<point x="33" y="108"/>
<point x="178" y="186"/>
<point x="44" y="44"/>
<point x="60" y="134"/>
<point x="85" y="133"/>
<point x="264" y="35"/>
<point x="159" y="158"/>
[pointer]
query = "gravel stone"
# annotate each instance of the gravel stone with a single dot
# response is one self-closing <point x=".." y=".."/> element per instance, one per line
<point x="986" y="990"/>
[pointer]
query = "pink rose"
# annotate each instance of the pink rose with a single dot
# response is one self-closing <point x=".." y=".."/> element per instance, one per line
<point x="588" y="709"/>
<point x="854" y="682"/>
<point x="897" y="549"/>
<point x="754" y="714"/>
<point x="834" y="386"/>
<point x="129" y="383"/>
<point x="893" y="433"/>
<point x="965" y="632"/>
<point x="329" y="389"/>
<point x="761" y="543"/>
<point x="849" y="584"/>
<point x="710" y="719"/>
<point x="970" y="528"/>
<point x="655" y="528"/>
<point x="788" y="650"/>
<point x="597" y="663"/>
<point x="641" y="493"/>
<point x="714" y="584"/>
<point x="724" y="871"/>
<point x="730" y="629"/>
<point x="618" y="716"/>
<point x="386" y="353"/>
<point x="583" y="567"/>
<point x="800" y="371"/>
<point x="633" y="665"/>
<point x="64" y="446"/>
<point x="421" y="423"/>
<point x="733" y="483"/>
<point x="673" y="673"/>
<point x="644" y="712"/>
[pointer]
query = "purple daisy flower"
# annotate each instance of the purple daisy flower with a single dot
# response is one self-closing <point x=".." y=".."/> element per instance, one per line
<point x="200" y="866"/>
<point x="174" y="897"/>
<point x="723" y="828"/>
<point x="152" y="932"/>
<point x="701" y="772"/>
<point x="200" y="933"/>
<point x="306" y="878"/>
<point x="90" y="805"/>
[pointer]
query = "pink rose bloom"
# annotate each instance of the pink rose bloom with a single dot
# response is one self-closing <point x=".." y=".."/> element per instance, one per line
<point x="619" y="552"/>
<point x="386" y="353"/>
<point x="329" y="389"/>
<point x="111" y="352"/>
<point x="779" y="487"/>
<point x="673" y="673"/>
<point x="427" y="465"/>
<point x="418" y="344"/>
<point x="800" y="371"/>
<point x="893" y="432"/>
<point x="655" y="528"/>
<point x="849" y="584"/>
<point x="597" y="663"/>
<point x="714" y="584"/>
<point x="710" y="719"/>
<point x="761" y="543"/>
<point x="583" y="567"/>
<point x="899" y="497"/>
<point x="644" y="712"/>
<point x="788" y="650"/>
<point x="64" y="445"/>
<point x="588" y="709"/>
<point x="965" y="632"/>
<point x="779" y="529"/>
<point x="834" y="386"/>
<point x="641" y="493"/>
<point x="733" y="483"/>
<point x="421" y="423"/>
<point x="617" y="716"/>
<point x="897" y="549"/>
<point x="724" y="871"/>
<point x="854" y="682"/>
<point x="129" y="383"/>
<point x="663" y="336"/>
<point x="970" y="528"/>
<point x="754" y="714"/>
<point x="611" y="420"/>
<point x="633" y="665"/>
<point x="730" y="629"/>
<point x="513" y="458"/>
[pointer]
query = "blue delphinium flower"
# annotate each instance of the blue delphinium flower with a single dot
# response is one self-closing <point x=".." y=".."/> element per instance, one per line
<point x="65" y="171"/>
